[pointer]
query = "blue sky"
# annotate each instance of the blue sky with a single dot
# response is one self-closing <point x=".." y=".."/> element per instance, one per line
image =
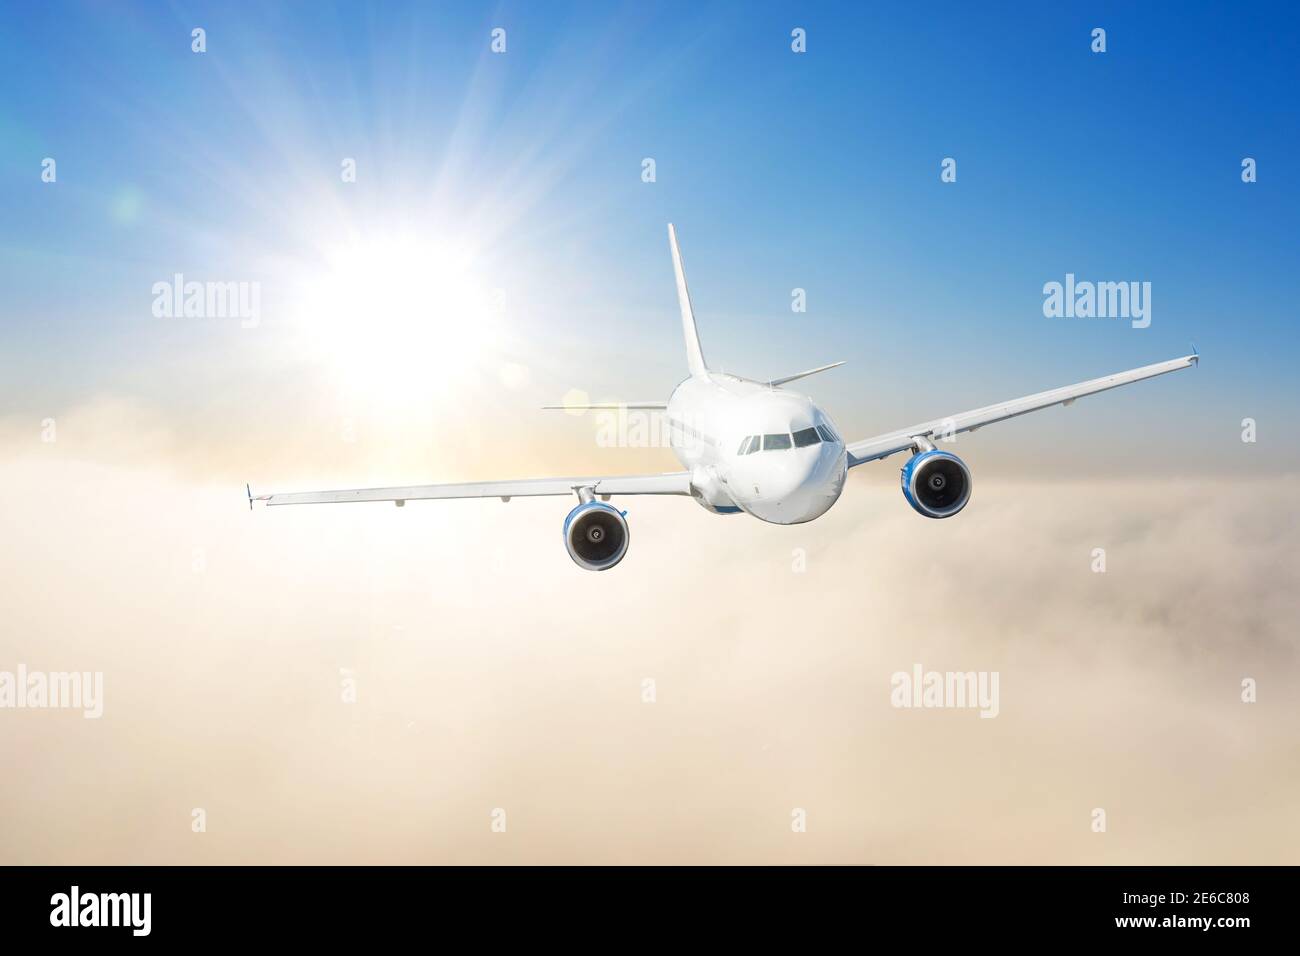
<point x="781" y="170"/>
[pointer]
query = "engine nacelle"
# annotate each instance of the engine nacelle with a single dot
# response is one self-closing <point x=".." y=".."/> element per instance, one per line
<point x="596" y="535"/>
<point x="936" y="483"/>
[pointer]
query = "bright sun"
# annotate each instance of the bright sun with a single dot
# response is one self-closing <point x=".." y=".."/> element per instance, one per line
<point x="399" y="317"/>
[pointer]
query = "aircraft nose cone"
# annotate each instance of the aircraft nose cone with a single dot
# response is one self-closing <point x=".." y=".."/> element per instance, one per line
<point x="803" y="489"/>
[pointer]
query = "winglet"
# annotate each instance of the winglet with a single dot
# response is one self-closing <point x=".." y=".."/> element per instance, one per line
<point x="249" y="490"/>
<point x="1196" y="356"/>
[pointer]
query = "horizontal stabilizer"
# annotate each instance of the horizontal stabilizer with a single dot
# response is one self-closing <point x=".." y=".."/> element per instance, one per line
<point x="612" y="406"/>
<point x="812" y="371"/>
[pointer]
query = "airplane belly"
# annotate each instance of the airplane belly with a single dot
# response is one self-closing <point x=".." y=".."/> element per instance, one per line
<point x="711" y="492"/>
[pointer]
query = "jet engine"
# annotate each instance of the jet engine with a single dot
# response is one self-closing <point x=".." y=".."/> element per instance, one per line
<point x="936" y="483"/>
<point x="596" y="535"/>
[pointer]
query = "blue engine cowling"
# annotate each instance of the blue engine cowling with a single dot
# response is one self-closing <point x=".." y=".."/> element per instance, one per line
<point x="936" y="483"/>
<point x="596" y="535"/>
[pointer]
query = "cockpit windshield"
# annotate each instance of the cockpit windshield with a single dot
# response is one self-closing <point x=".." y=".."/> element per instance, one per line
<point x="800" y="439"/>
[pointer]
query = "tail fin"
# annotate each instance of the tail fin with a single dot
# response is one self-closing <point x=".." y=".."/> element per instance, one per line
<point x="694" y="357"/>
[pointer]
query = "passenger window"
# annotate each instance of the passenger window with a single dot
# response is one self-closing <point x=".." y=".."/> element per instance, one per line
<point x="806" y="437"/>
<point x="775" y="441"/>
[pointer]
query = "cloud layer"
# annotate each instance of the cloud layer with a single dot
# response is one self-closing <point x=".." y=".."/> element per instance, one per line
<point x="491" y="673"/>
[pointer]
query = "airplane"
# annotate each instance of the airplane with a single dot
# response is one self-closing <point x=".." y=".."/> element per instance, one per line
<point x="749" y="447"/>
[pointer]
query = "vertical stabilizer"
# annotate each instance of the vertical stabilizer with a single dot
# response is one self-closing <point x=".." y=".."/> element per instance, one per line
<point x="694" y="356"/>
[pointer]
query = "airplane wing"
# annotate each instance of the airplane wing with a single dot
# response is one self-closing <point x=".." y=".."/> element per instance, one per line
<point x="882" y="446"/>
<point x="672" y="483"/>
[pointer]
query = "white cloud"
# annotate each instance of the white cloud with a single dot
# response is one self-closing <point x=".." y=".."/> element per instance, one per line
<point x="492" y="672"/>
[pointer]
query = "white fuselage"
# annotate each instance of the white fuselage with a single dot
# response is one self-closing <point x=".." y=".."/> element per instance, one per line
<point x="749" y="448"/>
